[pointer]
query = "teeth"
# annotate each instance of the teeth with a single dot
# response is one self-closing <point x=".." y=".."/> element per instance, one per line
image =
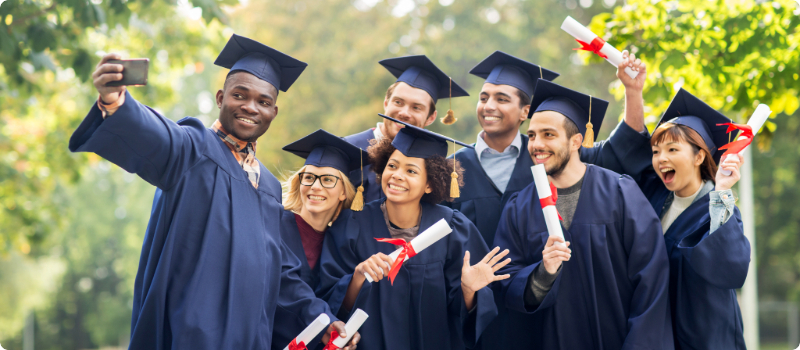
<point x="396" y="188"/>
<point x="542" y="156"/>
<point x="248" y="121"/>
<point x="316" y="198"/>
<point x="665" y="170"/>
<point x="491" y="119"/>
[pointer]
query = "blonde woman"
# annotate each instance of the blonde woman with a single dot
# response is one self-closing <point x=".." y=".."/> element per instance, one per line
<point x="313" y="197"/>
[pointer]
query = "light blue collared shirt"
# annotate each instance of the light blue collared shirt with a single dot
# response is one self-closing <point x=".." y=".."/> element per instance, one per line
<point x="498" y="165"/>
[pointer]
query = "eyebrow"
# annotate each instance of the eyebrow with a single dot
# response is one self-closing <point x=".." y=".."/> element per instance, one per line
<point x="242" y="87"/>
<point x="407" y="164"/>
<point x="544" y="130"/>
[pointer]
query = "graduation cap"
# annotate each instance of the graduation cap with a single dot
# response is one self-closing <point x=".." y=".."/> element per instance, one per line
<point x="419" y="72"/>
<point x="266" y="63"/>
<point x="501" y="68"/>
<point x="580" y="108"/>
<point x="686" y="109"/>
<point x="417" y="142"/>
<point x="323" y="149"/>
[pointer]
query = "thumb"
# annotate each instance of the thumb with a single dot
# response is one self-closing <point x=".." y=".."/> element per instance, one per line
<point x="339" y="326"/>
<point x="466" y="259"/>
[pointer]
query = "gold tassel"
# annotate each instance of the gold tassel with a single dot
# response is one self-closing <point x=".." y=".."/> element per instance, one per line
<point x="358" y="201"/>
<point x="449" y="118"/>
<point x="454" y="190"/>
<point x="588" y="139"/>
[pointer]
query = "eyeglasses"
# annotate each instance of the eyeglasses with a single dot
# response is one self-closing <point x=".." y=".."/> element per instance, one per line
<point x="327" y="181"/>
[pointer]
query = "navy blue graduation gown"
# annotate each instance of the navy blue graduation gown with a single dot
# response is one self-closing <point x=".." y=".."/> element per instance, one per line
<point x="372" y="187"/>
<point x="612" y="294"/>
<point x="424" y="309"/>
<point x="705" y="270"/>
<point x="213" y="268"/>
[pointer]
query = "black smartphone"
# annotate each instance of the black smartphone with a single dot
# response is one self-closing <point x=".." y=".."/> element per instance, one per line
<point x="134" y="72"/>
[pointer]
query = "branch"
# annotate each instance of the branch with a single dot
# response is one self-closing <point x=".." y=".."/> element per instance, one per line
<point x="34" y="15"/>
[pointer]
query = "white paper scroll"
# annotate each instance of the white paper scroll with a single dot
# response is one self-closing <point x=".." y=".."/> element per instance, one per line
<point x="578" y="31"/>
<point x="352" y="326"/>
<point x="422" y="241"/>
<point x="308" y="334"/>
<point x="756" y="121"/>
<point x="550" y="212"/>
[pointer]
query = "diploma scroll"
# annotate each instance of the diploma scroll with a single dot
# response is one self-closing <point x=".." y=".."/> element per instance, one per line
<point x="578" y="31"/>
<point x="352" y="326"/>
<point x="756" y="121"/>
<point x="308" y="334"/>
<point x="550" y="212"/>
<point x="422" y="241"/>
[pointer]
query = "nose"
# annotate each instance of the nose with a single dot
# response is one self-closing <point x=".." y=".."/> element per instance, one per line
<point x="490" y="105"/>
<point x="249" y="107"/>
<point x="536" y="144"/>
<point x="317" y="185"/>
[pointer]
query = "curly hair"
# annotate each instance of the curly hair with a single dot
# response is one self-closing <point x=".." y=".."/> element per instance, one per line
<point x="437" y="167"/>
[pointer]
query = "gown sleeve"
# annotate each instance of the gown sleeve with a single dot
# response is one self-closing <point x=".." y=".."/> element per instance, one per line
<point x="295" y="297"/>
<point x="465" y="237"/>
<point x="526" y="256"/>
<point x="626" y="151"/>
<point x="648" y="270"/>
<point x="142" y="141"/>
<point x="338" y="262"/>
<point x="721" y="258"/>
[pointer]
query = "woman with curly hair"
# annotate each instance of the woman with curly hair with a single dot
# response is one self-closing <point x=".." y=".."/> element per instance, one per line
<point x="313" y="197"/>
<point x="438" y="299"/>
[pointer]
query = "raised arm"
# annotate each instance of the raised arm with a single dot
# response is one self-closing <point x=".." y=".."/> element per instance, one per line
<point x="134" y="136"/>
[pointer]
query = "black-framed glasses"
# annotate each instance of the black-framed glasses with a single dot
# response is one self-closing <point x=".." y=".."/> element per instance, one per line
<point x="327" y="181"/>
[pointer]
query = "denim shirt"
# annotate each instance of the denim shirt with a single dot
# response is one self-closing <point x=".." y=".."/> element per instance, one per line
<point x="720" y="204"/>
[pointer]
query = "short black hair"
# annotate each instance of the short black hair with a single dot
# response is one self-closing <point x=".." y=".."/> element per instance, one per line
<point x="570" y="127"/>
<point x="233" y="72"/>
<point x="524" y="99"/>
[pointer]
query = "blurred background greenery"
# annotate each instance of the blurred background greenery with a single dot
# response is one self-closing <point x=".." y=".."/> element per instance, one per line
<point x="72" y="225"/>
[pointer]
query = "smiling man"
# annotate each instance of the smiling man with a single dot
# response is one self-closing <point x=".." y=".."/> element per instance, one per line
<point x="411" y="99"/>
<point x="607" y="287"/>
<point x="213" y="267"/>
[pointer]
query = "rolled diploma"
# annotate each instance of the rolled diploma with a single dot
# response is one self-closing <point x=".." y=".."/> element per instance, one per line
<point x="550" y="211"/>
<point x="308" y="334"/>
<point x="352" y="326"/>
<point x="422" y="241"/>
<point x="756" y="121"/>
<point x="578" y="31"/>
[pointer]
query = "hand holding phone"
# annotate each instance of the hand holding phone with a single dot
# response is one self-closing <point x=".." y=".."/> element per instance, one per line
<point x="111" y="75"/>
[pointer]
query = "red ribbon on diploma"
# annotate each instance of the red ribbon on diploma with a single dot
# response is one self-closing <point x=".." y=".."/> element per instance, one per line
<point x="294" y="346"/>
<point x="408" y="250"/>
<point x="595" y="46"/>
<point x="330" y="345"/>
<point x="737" y="146"/>
<point x="551" y="200"/>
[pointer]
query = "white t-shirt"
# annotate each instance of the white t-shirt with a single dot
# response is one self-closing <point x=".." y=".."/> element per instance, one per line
<point x="679" y="204"/>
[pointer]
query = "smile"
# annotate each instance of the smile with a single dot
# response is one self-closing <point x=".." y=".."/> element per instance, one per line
<point x="492" y="119"/>
<point x="316" y="198"/>
<point x="248" y="121"/>
<point x="397" y="188"/>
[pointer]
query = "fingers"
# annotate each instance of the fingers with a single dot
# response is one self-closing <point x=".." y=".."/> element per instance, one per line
<point x="490" y="255"/>
<point x="624" y="55"/>
<point x="501" y="277"/>
<point x="552" y="240"/>
<point x="353" y="341"/>
<point x="339" y="327"/>
<point x="636" y="64"/>
<point x="501" y="265"/>
<point x="385" y="258"/>
<point x="557" y="255"/>
<point x="107" y="57"/>
<point x="497" y="257"/>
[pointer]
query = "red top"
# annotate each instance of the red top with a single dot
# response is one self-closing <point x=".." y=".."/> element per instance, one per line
<point x="312" y="240"/>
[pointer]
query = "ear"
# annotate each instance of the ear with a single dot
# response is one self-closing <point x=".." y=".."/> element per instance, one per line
<point x="276" y="111"/>
<point x="699" y="158"/>
<point x="575" y="142"/>
<point x="431" y="118"/>
<point x="428" y="189"/>
<point x="343" y="195"/>
<point x="385" y="104"/>
<point x="220" y="94"/>
<point x="524" y="113"/>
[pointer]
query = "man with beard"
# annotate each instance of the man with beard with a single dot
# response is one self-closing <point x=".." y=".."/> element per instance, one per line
<point x="213" y="267"/>
<point x="411" y="99"/>
<point x="613" y="292"/>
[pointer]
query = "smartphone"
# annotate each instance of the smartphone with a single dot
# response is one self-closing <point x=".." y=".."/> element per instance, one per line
<point x="134" y="72"/>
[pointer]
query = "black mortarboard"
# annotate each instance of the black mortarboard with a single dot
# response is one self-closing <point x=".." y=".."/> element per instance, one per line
<point x="686" y="109"/>
<point x="417" y="142"/>
<point x="501" y="68"/>
<point x="266" y="63"/>
<point x="419" y="72"/>
<point x="574" y="105"/>
<point x="323" y="149"/>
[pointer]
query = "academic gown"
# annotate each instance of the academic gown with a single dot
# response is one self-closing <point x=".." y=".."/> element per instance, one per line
<point x="372" y="187"/>
<point x="213" y="268"/>
<point x="424" y="309"/>
<point x="705" y="270"/>
<point x="612" y="294"/>
<point x="289" y="327"/>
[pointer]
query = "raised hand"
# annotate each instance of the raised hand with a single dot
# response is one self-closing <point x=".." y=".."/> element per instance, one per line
<point x="475" y="277"/>
<point x="632" y="84"/>
<point x="105" y="73"/>
<point x="554" y="254"/>
<point x="732" y="162"/>
<point x="338" y="326"/>
<point x="377" y="267"/>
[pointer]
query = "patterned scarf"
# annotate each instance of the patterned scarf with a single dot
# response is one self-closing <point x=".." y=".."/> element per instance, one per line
<point x="244" y="152"/>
